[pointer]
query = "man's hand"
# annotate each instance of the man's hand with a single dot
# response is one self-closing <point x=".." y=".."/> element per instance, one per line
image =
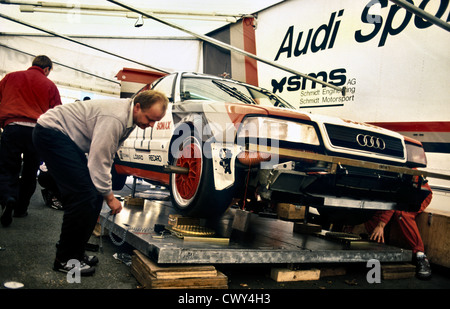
<point x="113" y="203"/>
<point x="378" y="233"/>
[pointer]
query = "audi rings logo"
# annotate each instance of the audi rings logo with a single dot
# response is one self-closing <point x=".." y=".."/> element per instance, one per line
<point x="370" y="141"/>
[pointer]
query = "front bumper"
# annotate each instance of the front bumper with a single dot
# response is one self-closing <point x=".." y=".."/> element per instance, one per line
<point x="318" y="180"/>
<point x="347" y="187"/>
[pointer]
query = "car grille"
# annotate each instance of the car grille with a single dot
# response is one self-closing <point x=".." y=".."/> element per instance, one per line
<point x="347" y="138"/>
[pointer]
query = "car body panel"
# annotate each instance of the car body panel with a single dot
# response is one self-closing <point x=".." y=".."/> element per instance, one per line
<point x="196" y="107"/>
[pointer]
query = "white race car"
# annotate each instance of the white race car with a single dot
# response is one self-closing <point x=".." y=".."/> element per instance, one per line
<point x="222" y="141"/>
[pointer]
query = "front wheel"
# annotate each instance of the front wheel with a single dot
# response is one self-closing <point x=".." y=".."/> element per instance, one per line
<point x="194" y="194"/>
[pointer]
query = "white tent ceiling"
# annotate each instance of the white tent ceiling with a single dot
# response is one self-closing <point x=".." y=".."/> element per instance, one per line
<point x="110" y="27"/>
<point x="102" y="17"/>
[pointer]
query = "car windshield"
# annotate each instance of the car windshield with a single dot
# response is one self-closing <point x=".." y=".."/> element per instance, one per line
<point x="226" y="91"/>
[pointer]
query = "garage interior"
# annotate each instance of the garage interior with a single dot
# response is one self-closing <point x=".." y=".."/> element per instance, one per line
<point x="111" y="49"/>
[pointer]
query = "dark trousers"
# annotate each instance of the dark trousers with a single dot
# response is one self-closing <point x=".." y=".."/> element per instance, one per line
<point x="47" y="182"/>
<point x="19" y="163"/>
<point x="67" y="164"/>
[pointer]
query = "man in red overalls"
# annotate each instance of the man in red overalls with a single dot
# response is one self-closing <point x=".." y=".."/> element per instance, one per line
<point x="407" y="223"/>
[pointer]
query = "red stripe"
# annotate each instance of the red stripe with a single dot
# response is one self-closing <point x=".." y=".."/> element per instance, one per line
<point x="431" y="126"/>
<point x="150" y="175"/>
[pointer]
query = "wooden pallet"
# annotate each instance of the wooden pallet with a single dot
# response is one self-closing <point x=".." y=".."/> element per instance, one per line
<point x="153" y="276"/>
<point x="288" y="275"/>
<point x="398" y="271"/>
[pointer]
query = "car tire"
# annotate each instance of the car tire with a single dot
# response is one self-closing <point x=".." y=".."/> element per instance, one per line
<point x="194" y="194"/>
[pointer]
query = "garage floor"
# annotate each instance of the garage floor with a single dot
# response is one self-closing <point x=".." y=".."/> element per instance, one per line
<point x="28" y="248"/>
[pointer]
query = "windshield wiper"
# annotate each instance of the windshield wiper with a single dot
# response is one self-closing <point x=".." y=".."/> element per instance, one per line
<point x="234" y="92"/>
<point x="279" y="102"/>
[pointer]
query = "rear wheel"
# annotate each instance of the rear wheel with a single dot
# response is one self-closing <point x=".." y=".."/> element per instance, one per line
<point x="194" y="194"/>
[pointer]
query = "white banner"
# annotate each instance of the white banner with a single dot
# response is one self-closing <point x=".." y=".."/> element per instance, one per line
<point x="394" y="65"/>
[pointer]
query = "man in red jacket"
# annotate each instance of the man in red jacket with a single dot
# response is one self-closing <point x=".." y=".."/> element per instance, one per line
<point x="408" y="226"/>
<point x="24" y="96"/>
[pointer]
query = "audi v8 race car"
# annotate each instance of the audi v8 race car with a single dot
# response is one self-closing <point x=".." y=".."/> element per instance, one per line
<point x="222" y="141"/>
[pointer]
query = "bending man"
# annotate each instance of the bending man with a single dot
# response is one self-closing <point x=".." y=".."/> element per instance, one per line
<point x="78" y="142"/>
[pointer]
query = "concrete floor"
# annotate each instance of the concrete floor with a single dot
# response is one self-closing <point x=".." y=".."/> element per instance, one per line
<point x="28" y="248"/>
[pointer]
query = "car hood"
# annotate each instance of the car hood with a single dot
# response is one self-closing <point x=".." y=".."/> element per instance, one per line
<point x="321" y="120"/>
<point x="238" y="111"/>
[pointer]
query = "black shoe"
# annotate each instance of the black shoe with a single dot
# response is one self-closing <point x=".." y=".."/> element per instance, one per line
<point x="423" y="268"/>
<point x="51" y="200"/>
<point x="85" y="269"/>
<point x="8" y="208"/>
<point x="90" y="260"/>
<point x="55" y="203"/>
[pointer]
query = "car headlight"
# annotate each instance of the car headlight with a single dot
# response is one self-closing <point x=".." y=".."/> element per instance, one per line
<point x="277" y="129"/>
<point x="416" y="155"/>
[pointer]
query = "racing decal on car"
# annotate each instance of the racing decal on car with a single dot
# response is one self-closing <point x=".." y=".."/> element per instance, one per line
<point x="153" y="158"/>
<point x="163" y="125"/>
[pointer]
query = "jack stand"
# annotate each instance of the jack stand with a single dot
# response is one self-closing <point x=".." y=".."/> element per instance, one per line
<point x="132" y="200"/>
<point x="305" y="227"/>
<point x="241" y="220"/>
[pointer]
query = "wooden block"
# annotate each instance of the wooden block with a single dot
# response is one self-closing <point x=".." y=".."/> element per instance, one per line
<point x="307" y="228"/>
<point x="290" y="211"/>
<point x="220" y="281"/>
<point x="177" y="219"/>
<point x="285" y="275"/>
<point x="152" y="276"/>
<point x="144" y="264"/>
<point x="97" y="230"/>
<point x="134" y="201"/>
<point x="397" y="271"/>
<point x="212" y="240"/>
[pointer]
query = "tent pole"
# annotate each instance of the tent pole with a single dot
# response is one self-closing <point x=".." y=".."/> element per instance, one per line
<point x="228" y="47"/>
<point x="423" y="14"/>
<point x="78" y="42"/>
<point x="63" y="65"/>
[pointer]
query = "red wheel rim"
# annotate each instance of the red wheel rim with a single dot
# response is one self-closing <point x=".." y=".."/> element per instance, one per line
<point x="187" y="184"/>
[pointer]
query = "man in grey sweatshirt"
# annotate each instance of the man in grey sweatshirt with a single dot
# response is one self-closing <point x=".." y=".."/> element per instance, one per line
<point x="78" y="142"/>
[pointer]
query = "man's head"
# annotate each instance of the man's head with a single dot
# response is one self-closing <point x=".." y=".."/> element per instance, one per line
<point x="44" y="63"/>
<point x="149" y="106"/>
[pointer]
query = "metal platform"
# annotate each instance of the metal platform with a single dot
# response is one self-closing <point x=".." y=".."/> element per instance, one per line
<point x="268" y="241"/>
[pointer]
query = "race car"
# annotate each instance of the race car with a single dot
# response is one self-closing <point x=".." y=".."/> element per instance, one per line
<point x="223" y="141"/>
